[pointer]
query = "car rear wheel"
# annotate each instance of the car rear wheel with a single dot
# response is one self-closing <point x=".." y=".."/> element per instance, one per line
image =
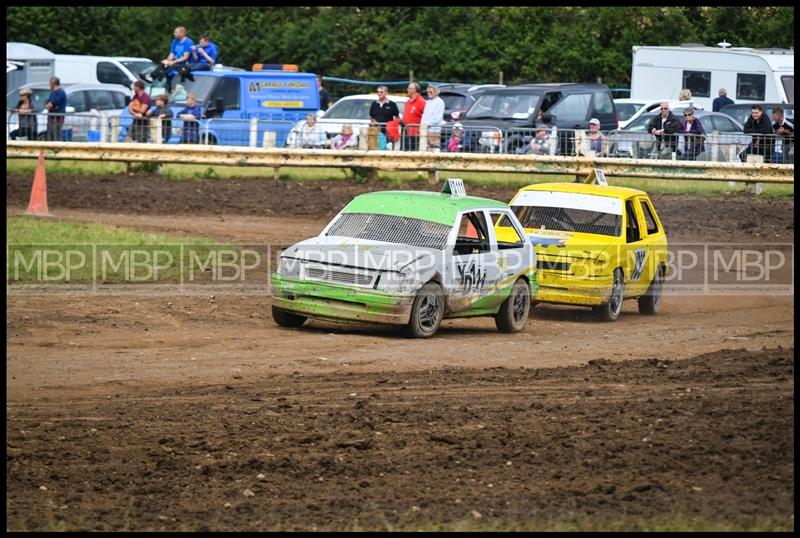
<point x="610" y="310"/>
<point x="287" y="319"/>
<point x="514" y="311"/>
<point x="650" y="301"/>
<point x="426" y="312"/>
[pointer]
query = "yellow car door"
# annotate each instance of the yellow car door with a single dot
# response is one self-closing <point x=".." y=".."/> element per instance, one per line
<point x="635" y="250"/>
<point x="654" y="238"/>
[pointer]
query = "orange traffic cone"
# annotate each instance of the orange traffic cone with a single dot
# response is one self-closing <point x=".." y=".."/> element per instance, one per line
<point x="38" y="204"/>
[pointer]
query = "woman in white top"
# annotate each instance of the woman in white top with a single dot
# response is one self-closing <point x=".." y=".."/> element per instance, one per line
<point x="433" y="117"/>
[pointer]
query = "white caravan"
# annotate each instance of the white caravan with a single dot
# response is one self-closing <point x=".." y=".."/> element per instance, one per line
<point x="27" y="64"/>
<point x="749" y="75"/>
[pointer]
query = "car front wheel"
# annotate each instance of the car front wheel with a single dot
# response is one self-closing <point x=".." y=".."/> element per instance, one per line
<point x="287" y="319"/>
<point x="514" y="311"/>
<point x="610" y="311"/>
<point x="426" y="312"/>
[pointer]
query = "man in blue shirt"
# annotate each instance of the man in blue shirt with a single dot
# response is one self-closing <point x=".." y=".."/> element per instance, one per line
<point x="721" y="101"/>
<point x="190" y="114"/>
<point x="56" y="106"/>
<point x="180" y="51"/>
<point x="204" y="56"/>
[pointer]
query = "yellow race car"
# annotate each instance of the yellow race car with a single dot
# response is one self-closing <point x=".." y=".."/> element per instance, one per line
<point x="595" y="245"/>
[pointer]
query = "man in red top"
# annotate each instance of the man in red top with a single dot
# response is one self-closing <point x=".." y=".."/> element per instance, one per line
<point x="412" y="117"/>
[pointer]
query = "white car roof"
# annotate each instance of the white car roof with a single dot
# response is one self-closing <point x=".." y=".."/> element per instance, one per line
<point x="374" y="97"/>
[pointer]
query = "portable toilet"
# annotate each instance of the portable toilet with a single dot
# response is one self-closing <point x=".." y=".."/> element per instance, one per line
<point x="28" y="63"/>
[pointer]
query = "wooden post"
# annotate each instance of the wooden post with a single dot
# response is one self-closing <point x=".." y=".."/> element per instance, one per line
<point x="362" y="137"/>
<point x="423" y="137"/>
<point x="104" y="128"/>
<point x="372" y="138"/>
<point x="253" y="132"/>
<point x="433" y="177"/>
<point x="411" y="75"/>
<point x="155" y="130"/>
<point x="268" y="140"/>
<point x="276" y="173"/>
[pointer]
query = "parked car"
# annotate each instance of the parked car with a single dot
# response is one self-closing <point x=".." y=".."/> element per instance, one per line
<point x="626" y="108"/>
<point x="410" y="258"/>
<point x="502" y="119"/>
<point x="635" y="142"/>
<point x="596" y="245"/>
<point x="459" y="97"/>
<point x="352" y="109"/>
<point x="649" y="106"/>
<point x="81" y="69"/>
<point x="740" y="112"/>
<point x="84" y="102"/>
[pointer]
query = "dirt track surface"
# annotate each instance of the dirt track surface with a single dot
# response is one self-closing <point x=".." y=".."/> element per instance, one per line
<point x="191" y="397"/>
<point x="710" y="436"/>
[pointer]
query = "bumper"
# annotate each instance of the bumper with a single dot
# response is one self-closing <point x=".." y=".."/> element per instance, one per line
<point x="335" y="302"/>
<point x="558" y="288"/>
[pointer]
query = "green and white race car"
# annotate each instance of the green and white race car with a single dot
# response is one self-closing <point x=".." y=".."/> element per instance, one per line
<point x="410" y="258"/>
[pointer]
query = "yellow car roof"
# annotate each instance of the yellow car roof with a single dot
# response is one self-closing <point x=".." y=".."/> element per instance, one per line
<point x="586" y="188"/>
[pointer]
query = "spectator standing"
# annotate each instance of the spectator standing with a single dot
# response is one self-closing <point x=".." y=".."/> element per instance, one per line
<point x="346" y="139"/>
<point x="56" y="107"/>
<point x="456" y="142"/>
<point x="204" y="56"/>
<point x="721" y="101"/>
<point x="433" y="117"/>
<point x="415" y="107"/>
<point x="190" y="114"/>
<point x="27" y="125"/>
<point x="664" y="127"/>
<point x="180" y="51"/>
<point x="693" y="139"/>
<point x="164" y="113"/>
<point x="784" y="147"/>
<point x="311" y="134"/>
<point x="761" y="128"/>
<point x="383" y="110"/>
<point x="138" y="108"/>
<point x="324" y="96"/>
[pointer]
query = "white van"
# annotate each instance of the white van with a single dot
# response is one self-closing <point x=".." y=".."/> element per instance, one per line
<point x="78" y="69"/>
<point x="749" y="75"/>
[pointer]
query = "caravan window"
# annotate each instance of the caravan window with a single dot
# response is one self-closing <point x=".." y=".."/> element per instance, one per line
<point x="750" y="87"/>
<point x="698" y="82"/>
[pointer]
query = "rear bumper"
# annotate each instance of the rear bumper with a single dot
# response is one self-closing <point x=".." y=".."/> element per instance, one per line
<point x="336" y="302"/>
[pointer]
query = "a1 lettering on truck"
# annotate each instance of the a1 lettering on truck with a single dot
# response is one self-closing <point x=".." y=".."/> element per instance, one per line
<point x="230" y="98"/>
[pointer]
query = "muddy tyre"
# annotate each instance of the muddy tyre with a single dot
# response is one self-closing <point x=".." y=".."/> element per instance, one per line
<point x="514" y="311"/>
<point x="650" y="301"/>
<point x="426" y="312"/>
<point x="610" y="311"/>
<point x="287" y="319"/>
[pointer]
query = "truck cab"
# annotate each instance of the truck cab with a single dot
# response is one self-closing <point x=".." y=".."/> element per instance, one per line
<point x="231" y="98"/>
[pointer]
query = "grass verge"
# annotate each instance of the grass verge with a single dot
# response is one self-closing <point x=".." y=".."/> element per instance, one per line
<point x="175" y="171"/>
<point x="51" y="252"/>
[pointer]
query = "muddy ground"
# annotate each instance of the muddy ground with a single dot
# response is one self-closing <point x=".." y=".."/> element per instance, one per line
<point x="159" y="409"/>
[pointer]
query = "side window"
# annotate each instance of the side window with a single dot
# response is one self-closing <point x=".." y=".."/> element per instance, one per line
<point x="78" y="101"/>
<point x="101" y="100"/>
<point x="602" y="104"/>
<point x="228" y="91"/>
<point x="571" y="108"/>
<point x="119" y="100"/>
<point x="698" y="82"/>
<point x="111" y="74"/>
<point x="549" y="100"/>
<point x="649" y="219"/>
<point x="507" y="235"/>
<point x="632" y="232"/>
<point x="724" y="125"/>
<point x="473" y="237"/>
<point x="750" y="86"/>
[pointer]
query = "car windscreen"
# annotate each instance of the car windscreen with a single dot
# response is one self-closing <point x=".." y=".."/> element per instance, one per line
<point x="626" y="110"/>
<point x="639" y="125"/>
<point x="201" y="86"/>
<point x="503" y="106"/>
<point x="353" y="109"/>
<point x="391" y="229"/>
<point x="569" y="212"/>
<point x="137" y="67"/>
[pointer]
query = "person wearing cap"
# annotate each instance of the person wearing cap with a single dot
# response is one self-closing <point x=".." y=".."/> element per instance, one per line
<point x="456" y="142"/>
<point x="592" y="143"/>
<point x="542" y="142"/>
<point x="721" y="101"/>
<point x="27" y="117"/>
